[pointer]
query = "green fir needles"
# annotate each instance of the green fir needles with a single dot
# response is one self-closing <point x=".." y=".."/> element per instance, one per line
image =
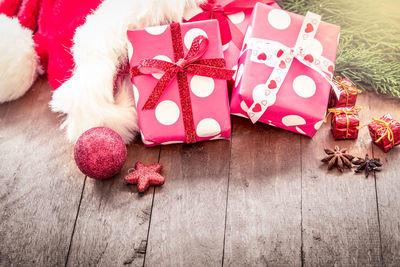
<point x="369" y="47"/>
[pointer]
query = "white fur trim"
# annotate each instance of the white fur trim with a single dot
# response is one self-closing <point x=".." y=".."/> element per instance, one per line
<point x="100" y="46"/>
<point x="86" y="110"/>
<point x="191" y="12"/>
<point x="19" y="63"/>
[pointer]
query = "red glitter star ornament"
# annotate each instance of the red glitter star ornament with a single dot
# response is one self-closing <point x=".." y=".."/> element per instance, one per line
<point x="145" y="175"/>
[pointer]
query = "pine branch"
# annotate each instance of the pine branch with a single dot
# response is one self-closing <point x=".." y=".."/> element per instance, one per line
<point x="369" y="48"/>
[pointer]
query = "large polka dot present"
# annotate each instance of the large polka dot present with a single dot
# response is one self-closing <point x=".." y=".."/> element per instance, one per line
<point x="285" y="70"/>
<point x="179" y="83"/>
<point x="233" y="17"/>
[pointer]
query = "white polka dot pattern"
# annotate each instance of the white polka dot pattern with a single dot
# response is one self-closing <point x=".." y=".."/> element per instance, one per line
<point x="279" y="19"/>
<point x="244" y="106"/>
<point x="156" y="30"/>
<point x="167" y="112"/>
<point x="202" y="86"/>
<point x="191" y="34"/>
<point x="237" y="18"/>
<point x="300" y="130"/>
<point x="318" y="125"/>
<point x="160" y="57"/>
<point x="259" y="92"/>
<point x="293" y="120"/>
<point x="207" y="128"/>
<point x="316" y="47"/>
<point x="304" y="86"/>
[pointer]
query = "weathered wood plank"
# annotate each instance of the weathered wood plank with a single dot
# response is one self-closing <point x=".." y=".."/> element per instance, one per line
<point x="340" y="220"/>
<point x="264" y="202"/>
<point x="113" y="221"/>
<point x="40" y="184"/>
<point x="388" y="185"/>
<point x="188" y="218"/>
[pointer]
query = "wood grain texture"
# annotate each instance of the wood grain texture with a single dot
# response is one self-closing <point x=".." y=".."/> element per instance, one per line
<point x="188" y="218"/>
<point x="388" y="185"/>
<point x="264" y="202"/>
<point x="114" y="217"/>
<point x="340" y="220"/>
<point x="40" y="184"/>
<point x="280" y="199"/>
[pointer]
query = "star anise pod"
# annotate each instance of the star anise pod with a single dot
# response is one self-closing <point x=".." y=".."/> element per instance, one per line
<point x="367" y="164"/>
<point x="338" y="157"/>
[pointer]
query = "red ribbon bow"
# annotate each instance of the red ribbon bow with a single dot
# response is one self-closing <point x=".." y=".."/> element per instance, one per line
<point x="191" y="63"/>
<point x="229" y="31"/>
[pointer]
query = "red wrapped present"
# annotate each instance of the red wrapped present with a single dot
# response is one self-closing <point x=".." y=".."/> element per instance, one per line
<point x="385" y="132"/>
<point x="345" y="122"/>
<point x="348" y="93"/>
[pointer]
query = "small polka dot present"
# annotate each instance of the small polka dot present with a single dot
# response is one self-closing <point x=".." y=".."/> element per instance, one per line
<point x="179" y="83"/>
<point x="285" y="70"/>
<point x="233" y="17"/>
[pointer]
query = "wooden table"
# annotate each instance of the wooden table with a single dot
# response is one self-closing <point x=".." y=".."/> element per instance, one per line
<point x="264" y="198"/>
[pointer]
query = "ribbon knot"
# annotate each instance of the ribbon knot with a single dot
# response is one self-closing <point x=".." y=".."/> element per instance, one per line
<point x="181" y="63"/>
<point x="388" y="132"/>
<point x="196" y="51"/>
<point x="229" y="31"/>
<point x="213" y="8"/>
<point x="297" y="51"/>
<point x="349" y="89"/>
<point x="191" y="63"/>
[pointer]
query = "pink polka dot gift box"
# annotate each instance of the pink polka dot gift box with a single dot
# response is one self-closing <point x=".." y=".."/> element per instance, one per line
<point x="285" y="70"/>
<point x="233" y="17"/>
<point x="179" y="83"/>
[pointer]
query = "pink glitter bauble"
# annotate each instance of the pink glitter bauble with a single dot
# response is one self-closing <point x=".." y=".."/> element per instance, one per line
<point x="100" y="153"/>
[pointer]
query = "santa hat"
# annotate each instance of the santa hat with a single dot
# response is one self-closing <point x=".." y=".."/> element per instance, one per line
<point x="83" y="57"/>
<point x="19" y="63"/>
<point x="100" y="49"/>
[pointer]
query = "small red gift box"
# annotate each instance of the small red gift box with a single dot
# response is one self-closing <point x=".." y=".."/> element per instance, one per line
<point x="385" y="132"/>
<point x="348" y="93"/>
<point x="345" y="123"/>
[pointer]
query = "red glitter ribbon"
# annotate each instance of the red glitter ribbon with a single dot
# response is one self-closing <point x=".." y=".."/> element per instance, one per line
<point x="191" y="63"/>
<point x="229" y="31"/>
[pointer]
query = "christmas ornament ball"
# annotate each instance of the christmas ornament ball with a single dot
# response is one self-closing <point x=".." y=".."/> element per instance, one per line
<point x="100" y="153"/>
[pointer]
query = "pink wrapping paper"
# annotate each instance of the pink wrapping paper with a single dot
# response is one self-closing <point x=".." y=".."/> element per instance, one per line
<point x="241" y="20"/>
<point x="209" y="97"/>
<point x="301" y="102"/>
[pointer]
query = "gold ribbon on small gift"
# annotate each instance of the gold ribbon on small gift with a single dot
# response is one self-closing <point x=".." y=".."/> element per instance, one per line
<point x="347" y="112"/>
<point x="347" y="88"/>
<point x="388" y="132"/>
